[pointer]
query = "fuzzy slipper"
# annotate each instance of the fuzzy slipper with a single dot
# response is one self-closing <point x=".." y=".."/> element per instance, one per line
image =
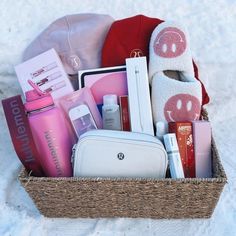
<point x="176" y="93"/>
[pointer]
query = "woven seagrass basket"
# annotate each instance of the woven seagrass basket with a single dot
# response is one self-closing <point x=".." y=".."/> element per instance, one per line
<point x="146" y="198"/>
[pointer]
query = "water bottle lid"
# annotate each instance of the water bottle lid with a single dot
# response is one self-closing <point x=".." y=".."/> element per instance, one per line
<point x="36" y="99"/>
<point x="110" y="99"/>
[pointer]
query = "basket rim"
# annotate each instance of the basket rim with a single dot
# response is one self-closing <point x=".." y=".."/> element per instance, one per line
<point x="24" y="177"/>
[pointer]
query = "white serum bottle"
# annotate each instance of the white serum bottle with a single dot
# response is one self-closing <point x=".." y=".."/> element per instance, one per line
<point x="111" y="112"/>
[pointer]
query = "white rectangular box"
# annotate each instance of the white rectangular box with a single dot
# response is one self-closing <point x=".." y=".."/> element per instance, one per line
<point x="172" y="148"/>
<point x="45" y="70"/>
<point x="139" y="96"/>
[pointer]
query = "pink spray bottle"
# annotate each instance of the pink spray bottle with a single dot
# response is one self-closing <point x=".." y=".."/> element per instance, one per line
<point x="49" y="132"/>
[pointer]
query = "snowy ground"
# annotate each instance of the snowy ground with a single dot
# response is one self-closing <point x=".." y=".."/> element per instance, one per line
<point x="211" y="26"/>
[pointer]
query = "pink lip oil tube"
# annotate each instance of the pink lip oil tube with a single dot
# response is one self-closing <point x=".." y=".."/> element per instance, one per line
<point x="44" y="69"/>
<point x="55" y="87"/>
<point x="49" y="78"/>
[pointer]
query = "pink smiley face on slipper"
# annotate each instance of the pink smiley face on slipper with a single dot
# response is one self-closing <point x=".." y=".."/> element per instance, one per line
<point x="182" y="107"/>
<point x="170" y="42"/>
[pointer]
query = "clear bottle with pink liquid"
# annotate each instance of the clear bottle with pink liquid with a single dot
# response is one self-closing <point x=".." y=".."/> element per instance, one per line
<point x="49" y="132"/>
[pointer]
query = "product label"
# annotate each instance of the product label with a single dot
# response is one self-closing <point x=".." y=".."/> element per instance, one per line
<point x="53" y="150"/>
<point x="111" y="119"/>
<point x="183" y="131"/>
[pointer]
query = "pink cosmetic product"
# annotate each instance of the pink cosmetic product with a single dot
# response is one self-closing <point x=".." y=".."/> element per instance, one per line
<point x="55" y="87"/>
<point x="75" y="99"/>
<point x="49" y="78"/>
<point x="81" y="119"/>
<point x="202" y="148"/>
<point x="44" y="69"/>
<point x="49" y="132"/>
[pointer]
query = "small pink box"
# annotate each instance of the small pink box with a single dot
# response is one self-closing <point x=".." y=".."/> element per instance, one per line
<point x="45" y="70"/>
<point x="202" y="148"/>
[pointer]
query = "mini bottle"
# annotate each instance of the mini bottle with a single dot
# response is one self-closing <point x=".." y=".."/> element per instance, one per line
<point x="111" y="112"/>
<point x="175" y="163"/>
<point x="49" y="132"/>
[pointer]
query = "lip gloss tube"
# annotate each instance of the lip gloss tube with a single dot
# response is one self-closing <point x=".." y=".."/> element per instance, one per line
<point x="44" y="69"/>
<point x="55" y="87"/>
<point x="49" y="78"/>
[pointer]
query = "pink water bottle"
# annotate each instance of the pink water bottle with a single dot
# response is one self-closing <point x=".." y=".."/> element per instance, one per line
<point x="49" y="132"/>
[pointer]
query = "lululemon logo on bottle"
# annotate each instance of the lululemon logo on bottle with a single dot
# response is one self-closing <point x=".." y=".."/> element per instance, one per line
<point x="136" y="53"/>
<point x="120" y="156"/>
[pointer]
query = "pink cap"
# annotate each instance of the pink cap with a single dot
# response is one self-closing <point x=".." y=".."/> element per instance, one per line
<point x="36" y="99"/>
<point x="78" y="40"/>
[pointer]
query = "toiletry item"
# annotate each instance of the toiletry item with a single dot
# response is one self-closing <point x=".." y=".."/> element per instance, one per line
<point x="21" y="135"/>
<point x="124" y="113"/>
<point x="79" y="97"/>
<point x="45" y="70"/>
<point x="111" y="112"/>
<point x="139" y="96"/>
<point x="81" y="119"/>
<point x="49" y="132"/>
<point x="184" y="135"/>
<point x="202" y="148"/>
<point x="171" y="145"/>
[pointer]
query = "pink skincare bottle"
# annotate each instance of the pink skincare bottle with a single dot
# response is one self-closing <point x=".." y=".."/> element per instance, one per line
<point x="49" y="132"/>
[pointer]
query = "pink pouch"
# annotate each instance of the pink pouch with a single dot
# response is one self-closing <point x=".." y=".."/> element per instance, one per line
<point x="81" y="96"/>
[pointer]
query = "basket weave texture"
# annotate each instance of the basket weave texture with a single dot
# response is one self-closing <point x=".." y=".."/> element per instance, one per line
<point x="146" y="198"/>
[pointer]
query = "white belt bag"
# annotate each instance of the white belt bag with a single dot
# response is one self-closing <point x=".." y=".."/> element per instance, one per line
<point x="106" y="153"/>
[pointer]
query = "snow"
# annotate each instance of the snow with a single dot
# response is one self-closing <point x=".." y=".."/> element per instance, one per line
<point x="211" y="26"/>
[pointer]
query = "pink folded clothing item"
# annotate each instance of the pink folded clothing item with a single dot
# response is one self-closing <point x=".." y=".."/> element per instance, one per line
<point x="78" y="39"/>
<point x="176" y="93"/>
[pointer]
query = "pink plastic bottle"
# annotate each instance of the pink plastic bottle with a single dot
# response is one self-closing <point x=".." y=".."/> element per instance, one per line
<point x="50" y="133"/>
